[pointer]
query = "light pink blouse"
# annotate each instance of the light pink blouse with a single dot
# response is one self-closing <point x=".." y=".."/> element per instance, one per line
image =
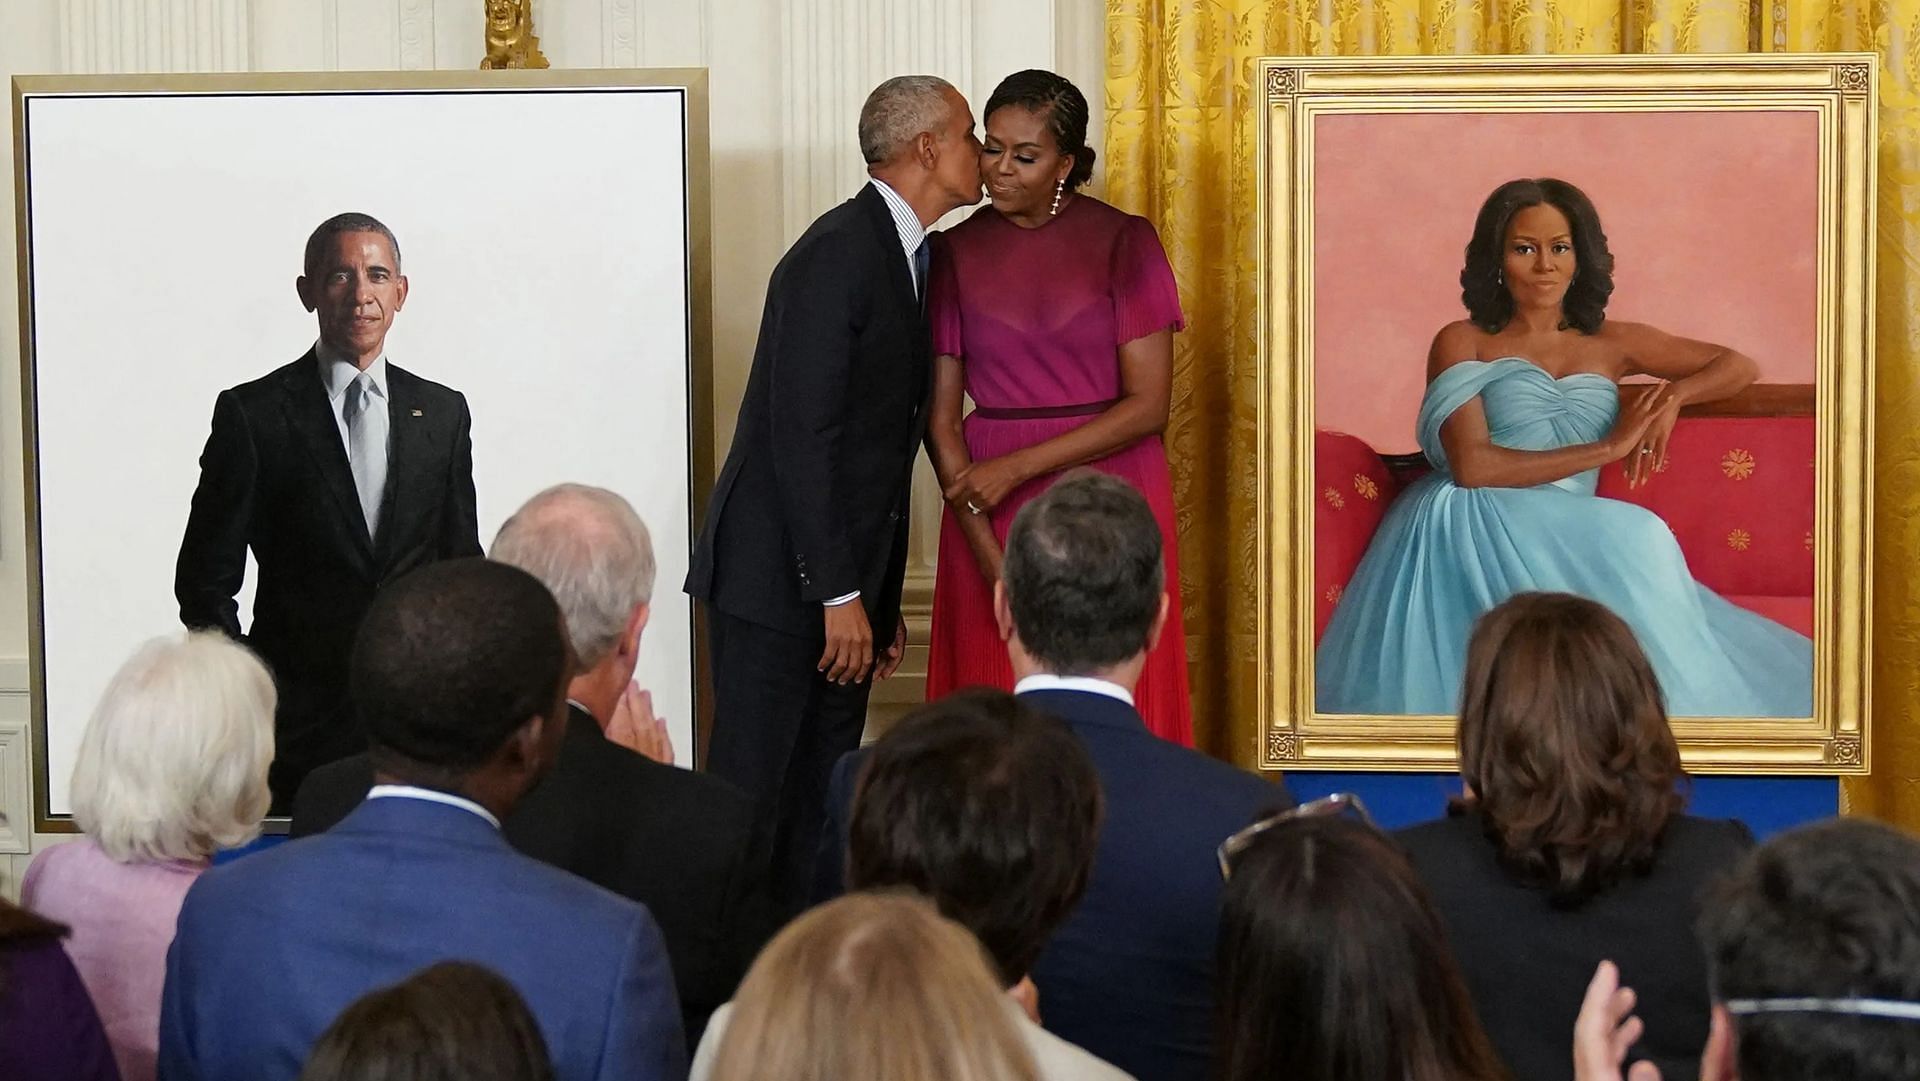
<point x="122" y="915"/>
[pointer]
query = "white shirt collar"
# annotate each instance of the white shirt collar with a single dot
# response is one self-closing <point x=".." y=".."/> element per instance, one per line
<point x="1046" y="681"/>
<point x="912" y="233"/>
<point x="337" y="371"/>
<point x="407" y="791"/>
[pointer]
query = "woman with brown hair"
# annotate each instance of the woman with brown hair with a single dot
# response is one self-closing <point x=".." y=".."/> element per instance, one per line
<point x="1332" y="964"/>
<point x="1568" y="845"/>
<point x="453" y="1021"/>
<point x="871" y="986"/>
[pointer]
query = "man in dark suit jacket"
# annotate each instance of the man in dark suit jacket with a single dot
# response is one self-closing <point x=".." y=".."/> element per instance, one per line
<point x="1081" y="600"/>
<point x="679" y="842"/>
<point x="459" y="672"/>
<point x="805" y="543"/>
<point x="341" y="472"/>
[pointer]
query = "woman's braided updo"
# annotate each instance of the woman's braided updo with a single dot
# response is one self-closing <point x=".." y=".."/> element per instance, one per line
<point x="1062" y="105"/>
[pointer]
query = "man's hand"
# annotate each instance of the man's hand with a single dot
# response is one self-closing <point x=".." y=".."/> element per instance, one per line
<point x="890" y="660"/>
<point x="849" y="654"/>
<point x="634" y="726"/>
<point x="1606" y="1029"/>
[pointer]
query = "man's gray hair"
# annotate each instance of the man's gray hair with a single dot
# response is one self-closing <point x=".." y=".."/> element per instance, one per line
<point x="899" y="109"/>
<point x="590" y="549"/>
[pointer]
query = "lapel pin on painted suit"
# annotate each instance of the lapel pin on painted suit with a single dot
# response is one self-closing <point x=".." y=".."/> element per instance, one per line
<point x="418" y="413"/>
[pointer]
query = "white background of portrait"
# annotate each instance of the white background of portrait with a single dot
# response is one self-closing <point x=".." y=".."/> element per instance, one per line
<point x="543" y="234"/>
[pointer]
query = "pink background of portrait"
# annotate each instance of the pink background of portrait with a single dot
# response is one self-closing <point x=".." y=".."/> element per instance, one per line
<point x="1712" y="219"/>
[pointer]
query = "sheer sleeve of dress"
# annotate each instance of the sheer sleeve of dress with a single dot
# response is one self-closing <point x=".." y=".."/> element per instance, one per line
<point x="1145" y="298"/>
<point x="943" y="301"/>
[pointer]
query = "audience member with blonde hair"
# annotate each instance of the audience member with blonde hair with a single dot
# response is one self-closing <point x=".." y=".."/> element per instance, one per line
<point x="872" y="986"/>
<point x="172" y="767"/>
<point x="1569" y="845"/>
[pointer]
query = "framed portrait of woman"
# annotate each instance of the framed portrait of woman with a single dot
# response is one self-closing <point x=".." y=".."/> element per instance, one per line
<point x="1599" y="326"/>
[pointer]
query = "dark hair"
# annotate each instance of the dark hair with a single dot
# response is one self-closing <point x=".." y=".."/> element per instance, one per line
<point x="1063" y="106"/>
<point x="23" y="925"/>
<point x="1084" y="572"/>
<point x="1828" y="910"/>
<point x="1483" y="287"/>
<point x="1565" y="746"/>
<point x="349" y="222"/>
<point x="455" y="1021"/>
<point x="989" y="809"/>
<point x="450" y="661"/>
<point x="1333" y="965"/>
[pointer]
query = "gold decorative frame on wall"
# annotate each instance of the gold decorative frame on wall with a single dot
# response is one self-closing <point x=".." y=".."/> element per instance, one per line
<point x="1839" y="90"/>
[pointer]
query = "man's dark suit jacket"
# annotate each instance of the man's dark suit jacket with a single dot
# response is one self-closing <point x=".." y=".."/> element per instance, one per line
<point x="679" y="842"/>
<point x="1527" y="963"/>
<point x="274" y="478"/>
<point x="269" y="949"/>
<point x="812" y="501"/>
<point x="1129" y="976"/>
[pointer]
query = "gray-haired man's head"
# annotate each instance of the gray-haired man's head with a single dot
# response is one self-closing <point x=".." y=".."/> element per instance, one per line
<point x="590" y="549"/>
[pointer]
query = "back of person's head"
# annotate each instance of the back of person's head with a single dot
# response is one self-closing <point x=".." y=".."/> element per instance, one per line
<point x="592" y="552"/>
<point x="1564" y="744"/>
<point x="1084" y="574"/>
<point x="1333" y="965"/>
<point x="873" y="986"/>
<point x="987" y="808"/>
<point x="1830" y="913"/>
<point x="173" y="762"/>
<point x="451" y="662"/>
<point x="455" y="1021"/>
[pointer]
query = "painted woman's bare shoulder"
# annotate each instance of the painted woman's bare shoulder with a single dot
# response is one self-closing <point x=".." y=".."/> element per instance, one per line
<point x="1457" y="341"/>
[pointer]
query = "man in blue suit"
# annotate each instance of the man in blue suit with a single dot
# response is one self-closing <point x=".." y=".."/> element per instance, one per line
<point x="459" y="673"/>
<point x="1080" y="602"/>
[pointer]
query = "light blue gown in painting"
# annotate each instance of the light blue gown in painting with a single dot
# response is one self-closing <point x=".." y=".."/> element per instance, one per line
<point x="1445" y="554"/>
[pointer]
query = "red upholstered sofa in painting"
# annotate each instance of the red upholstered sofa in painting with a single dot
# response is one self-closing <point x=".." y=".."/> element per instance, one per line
<point x="1737" y="492"/>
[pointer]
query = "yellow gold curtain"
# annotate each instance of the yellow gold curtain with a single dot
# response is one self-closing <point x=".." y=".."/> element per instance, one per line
<point x="1180" y="147"/>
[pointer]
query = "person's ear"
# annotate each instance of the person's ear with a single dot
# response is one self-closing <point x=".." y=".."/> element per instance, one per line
<point x="401" y="300"/>
<point x="1159" y="623"/>
<point x="629" y="644"/>
<point x="1002" y="611"/>
<point x="304" y="291"/>
<point x="1066" y="169"/>
<point x="928" y="146"/>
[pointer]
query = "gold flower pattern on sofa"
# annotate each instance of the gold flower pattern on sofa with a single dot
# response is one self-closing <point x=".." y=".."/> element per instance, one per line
<point x="1366" y="487"/>
<point x="1739" y="540"/>
<point x="1335" y="499"/>
<point x="1737" y="464"/>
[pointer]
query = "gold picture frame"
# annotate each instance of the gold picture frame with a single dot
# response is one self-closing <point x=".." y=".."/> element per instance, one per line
<point x="1838" y="92"/>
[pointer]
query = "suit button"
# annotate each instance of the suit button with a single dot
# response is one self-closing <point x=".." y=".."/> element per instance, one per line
<point x="893" y="516"/>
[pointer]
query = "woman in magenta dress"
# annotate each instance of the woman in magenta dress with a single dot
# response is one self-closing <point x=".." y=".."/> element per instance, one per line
<point x="1055" y="313"/>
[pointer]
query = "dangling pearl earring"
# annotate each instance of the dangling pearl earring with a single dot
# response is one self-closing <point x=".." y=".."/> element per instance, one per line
<point x="1059" y="190"/>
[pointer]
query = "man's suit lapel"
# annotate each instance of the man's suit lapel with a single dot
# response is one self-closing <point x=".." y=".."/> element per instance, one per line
<point x="310" y="417"/>
<point x="887" y="234"/>
<point x="407" y="442"/>
<point x="912" y="309"/>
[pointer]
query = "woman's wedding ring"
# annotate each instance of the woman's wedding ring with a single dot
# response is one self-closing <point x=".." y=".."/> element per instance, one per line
<point x="972" y="508"/>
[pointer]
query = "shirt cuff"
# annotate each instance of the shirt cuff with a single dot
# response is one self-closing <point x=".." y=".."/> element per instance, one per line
<point x="838" y="601"/>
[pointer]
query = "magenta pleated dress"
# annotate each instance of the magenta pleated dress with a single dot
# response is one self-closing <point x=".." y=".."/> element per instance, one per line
<point x="1038" y="316"/>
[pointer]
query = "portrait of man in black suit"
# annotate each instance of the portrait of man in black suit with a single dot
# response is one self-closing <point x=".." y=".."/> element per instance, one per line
<point x="340" y="471"/>
<point x="804" y="551"/>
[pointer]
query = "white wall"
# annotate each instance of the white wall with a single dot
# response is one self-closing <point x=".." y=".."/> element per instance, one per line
<point x="787" y="80"/>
